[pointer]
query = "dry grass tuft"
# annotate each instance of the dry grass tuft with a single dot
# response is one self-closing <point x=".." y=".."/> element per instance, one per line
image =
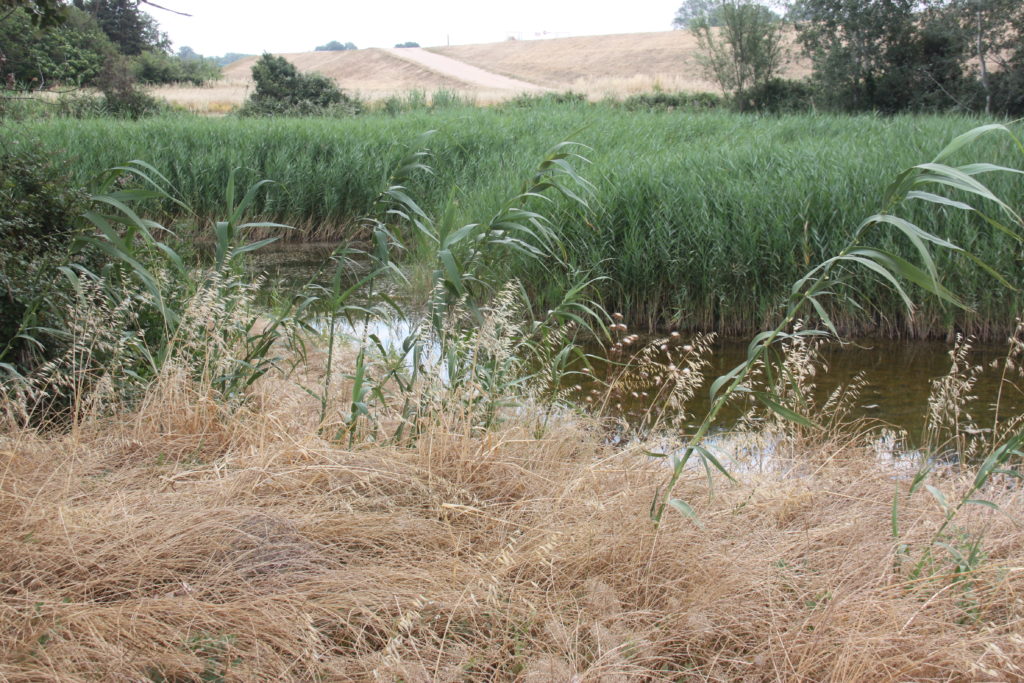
<point x="185" y="542"/>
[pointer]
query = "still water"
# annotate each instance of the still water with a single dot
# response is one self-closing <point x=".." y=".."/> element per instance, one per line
<point x="897" y="375"/>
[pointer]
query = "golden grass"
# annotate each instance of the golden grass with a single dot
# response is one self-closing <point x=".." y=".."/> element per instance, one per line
<point x="599" y="66"/>
<point x="183" y="542"/>
<point x="615" y="65"/>
<point x="219" y="97"/>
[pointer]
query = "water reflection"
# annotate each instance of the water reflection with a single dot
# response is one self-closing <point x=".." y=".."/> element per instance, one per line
<point x="897" y="374"/>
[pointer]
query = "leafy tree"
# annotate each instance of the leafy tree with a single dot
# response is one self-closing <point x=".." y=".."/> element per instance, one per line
<point x="746" y="51"/>
<point x="41" y="12"/>
<point x="73" y="52"/>
<point x="335" y="46"/>
<point x="885" y="55"/>
<point x="692" y="10"/>
<point x="131" y="29"/>
<point x="993" y="31"/>
<point x="157" y="68"/>
<point x="228" y="58"/>
<point x="407" y="44"/>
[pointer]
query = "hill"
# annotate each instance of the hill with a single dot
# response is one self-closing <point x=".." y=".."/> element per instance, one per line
<point x="599" y="66"/>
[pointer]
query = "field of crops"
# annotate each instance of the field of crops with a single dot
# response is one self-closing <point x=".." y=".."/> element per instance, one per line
<point x="697" y="220"/>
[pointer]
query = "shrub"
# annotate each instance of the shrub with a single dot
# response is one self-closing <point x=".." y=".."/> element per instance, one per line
<point x="39" y="209"/>
<point x="777" y="96"/>
<point x="533" y="100"/>
<point x="158" y="68"/>
<point x="282" y="90"/>
<point x="663" y="101"/>
<point x="123" y="98"/>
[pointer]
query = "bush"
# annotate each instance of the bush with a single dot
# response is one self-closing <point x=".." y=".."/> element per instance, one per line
<point x="123" y="98"/>
<point x="1007" y="91"/>
<point x="39" y="210"/>
<point x="663" y="101"/>
<point x="282" y="90"/>
<point x="777" y="96"/>
<point x="533" y="100"/>
<point x="34" y="58"/>
<point x="158" y="68"/>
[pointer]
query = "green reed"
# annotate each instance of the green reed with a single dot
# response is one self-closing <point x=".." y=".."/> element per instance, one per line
<point x="696" y="221"/>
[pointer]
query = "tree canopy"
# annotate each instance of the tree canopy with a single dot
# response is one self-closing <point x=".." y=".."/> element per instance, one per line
<point x="745" y="50"/>
<point x="336" y="46"/>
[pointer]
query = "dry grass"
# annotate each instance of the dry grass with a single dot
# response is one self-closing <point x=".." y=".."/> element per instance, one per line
<point x="181" y="543"/>
<point x="600" y="66"/>
<point x="219" y="97"/>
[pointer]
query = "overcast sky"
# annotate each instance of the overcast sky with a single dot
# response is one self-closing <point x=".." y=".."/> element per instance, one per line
<point x="254" y="26"/>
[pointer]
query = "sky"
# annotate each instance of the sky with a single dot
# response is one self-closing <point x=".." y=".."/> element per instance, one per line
<point x="255" y="26"/>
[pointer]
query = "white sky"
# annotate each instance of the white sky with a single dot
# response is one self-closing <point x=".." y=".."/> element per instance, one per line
<point x="255" y="26"/>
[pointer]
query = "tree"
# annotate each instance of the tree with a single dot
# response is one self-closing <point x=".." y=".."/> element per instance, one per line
<point x="407" y="44"/>
<point x="746" y="51"/>
<point x="885" y="55"/>
<point x="692" y="10"/>
<point x="41" y="12"/>
<point x="335" y="46"/>
<point x="128" y="27"/>
<point x="71" y="53"/>
<point x="993" y="32"/>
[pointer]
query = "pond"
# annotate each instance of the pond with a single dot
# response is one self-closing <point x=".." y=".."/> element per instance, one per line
<point x="896" y="376"/>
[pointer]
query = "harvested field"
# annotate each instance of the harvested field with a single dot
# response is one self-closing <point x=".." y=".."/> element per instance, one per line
<point x="599" y="66"/>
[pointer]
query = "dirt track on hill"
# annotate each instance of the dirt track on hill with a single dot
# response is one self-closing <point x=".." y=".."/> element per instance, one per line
<point x="453" y="68"/>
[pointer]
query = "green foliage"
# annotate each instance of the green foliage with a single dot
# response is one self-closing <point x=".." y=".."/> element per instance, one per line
<point x="707" y="11"/>
<point x="229" y="57"/>
<point x="408" y="43"/>
<point x="123" y="99"/>
<point x="281" y="89"/>
<point x="39" y="217"/>
<point x="777" y="96"/>
<point x="886" y="56"/>
<point x="569" y="97"/>
<point x="473" y="352"/>
<point x="746" y="51"/>
<point x="128" y="27"/>
<point x="42" y="12"/>
<point x="839" y="276"/>
<point x="72" y="53"/>
<point x="665" y="101"/>
<point x="335" y="46"/>
<point x="158" y="68"/>
<point x="139" y="310"/>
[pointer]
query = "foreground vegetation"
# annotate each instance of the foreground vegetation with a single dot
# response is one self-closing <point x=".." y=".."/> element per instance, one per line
<point x="184" y="541"/>
<point x="195" y="487"/>
<point x="698" y="221"/>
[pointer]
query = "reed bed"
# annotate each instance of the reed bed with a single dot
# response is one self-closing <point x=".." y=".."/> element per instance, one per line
<point x="183" y="540"/>
<point x="698" y="220"/>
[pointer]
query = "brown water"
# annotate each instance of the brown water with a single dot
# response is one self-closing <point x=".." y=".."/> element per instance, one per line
<point x="898" y="375"/>
<point x="897" y="378"/>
